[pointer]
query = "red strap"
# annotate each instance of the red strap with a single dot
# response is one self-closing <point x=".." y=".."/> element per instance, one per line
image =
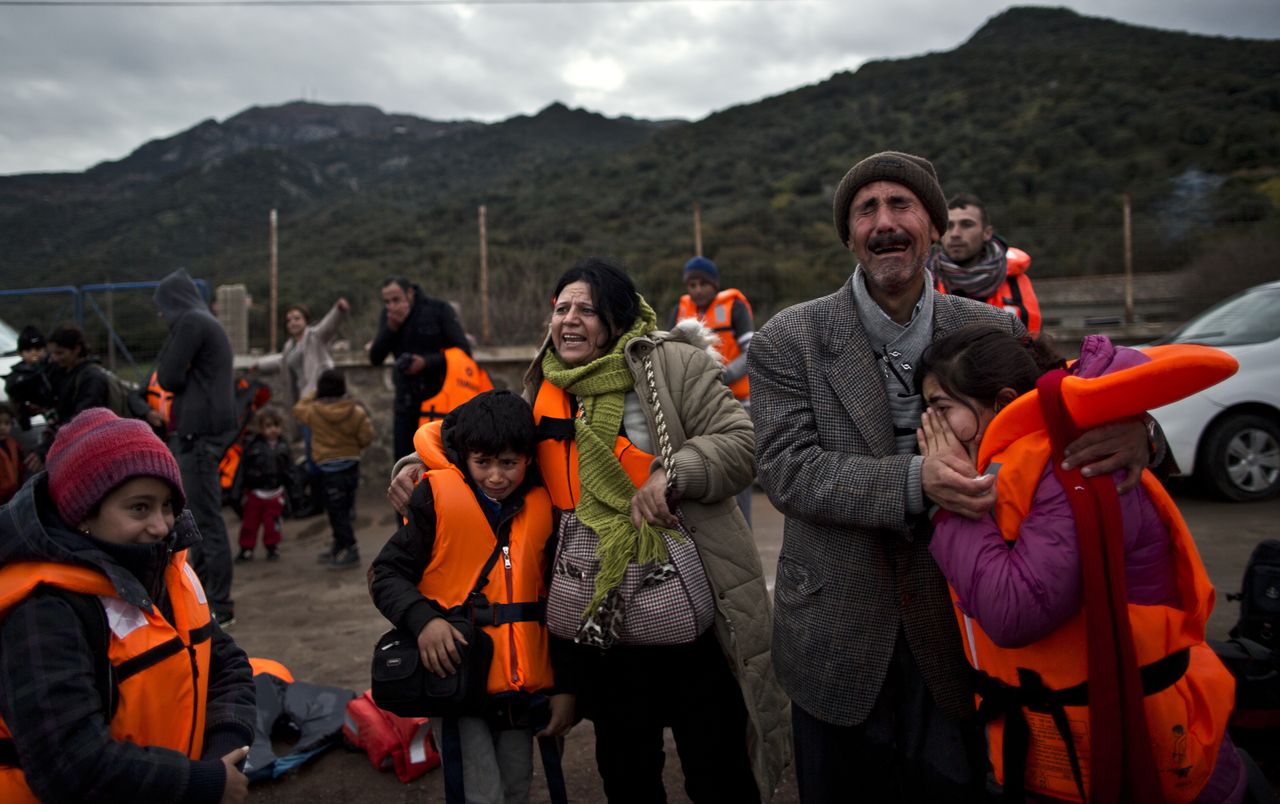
<point x="1121" y="767"/>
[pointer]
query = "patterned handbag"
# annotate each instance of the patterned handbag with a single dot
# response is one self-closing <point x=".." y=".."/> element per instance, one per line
<point x="658" y="603"/>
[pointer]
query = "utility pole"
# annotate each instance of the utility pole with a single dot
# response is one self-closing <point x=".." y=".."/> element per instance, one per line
<point x="275" y="280"/>
<point x="1128" y="260"/>
<point x="697" y="229"/>
<point x="484" y="278"/>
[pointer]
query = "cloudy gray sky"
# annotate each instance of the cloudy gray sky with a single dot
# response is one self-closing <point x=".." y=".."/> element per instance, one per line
<point x="80" y="85"/>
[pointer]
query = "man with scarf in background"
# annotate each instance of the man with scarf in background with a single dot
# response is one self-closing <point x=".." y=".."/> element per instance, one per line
<point x="973" y="262"/>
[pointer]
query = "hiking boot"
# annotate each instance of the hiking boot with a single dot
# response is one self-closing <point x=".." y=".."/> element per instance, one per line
<point x="225" y="619"/>
<point x="273" y="554"/>
<point x="245" y="555"/>
<point x="347" y="558"/>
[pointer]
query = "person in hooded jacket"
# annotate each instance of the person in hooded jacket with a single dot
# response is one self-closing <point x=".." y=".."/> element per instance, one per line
<point x="415" y="329"/>
<point x="340" y="430"/>
<point x="103" y="534"/>
<point x="194" y="365"/>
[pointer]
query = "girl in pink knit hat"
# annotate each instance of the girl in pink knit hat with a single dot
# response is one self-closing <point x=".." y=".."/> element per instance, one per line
<point x="115" y="682"/>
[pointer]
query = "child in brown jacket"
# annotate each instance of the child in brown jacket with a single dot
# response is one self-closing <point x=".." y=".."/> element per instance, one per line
<point x="340" y="429"/>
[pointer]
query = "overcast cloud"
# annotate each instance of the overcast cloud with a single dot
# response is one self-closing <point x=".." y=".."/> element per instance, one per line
<point x="83" y="85"/>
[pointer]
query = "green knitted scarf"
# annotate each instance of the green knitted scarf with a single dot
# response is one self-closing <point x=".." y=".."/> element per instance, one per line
<point x="604" y="504"/>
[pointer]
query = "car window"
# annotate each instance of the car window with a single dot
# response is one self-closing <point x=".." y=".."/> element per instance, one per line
<point x="1251" y="317"/>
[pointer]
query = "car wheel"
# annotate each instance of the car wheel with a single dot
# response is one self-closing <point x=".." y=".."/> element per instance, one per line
<point x="1242" y="458"/>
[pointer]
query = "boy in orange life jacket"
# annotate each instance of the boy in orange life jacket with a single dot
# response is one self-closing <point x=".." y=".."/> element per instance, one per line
<point x="102" y="538"/>
<point x="727" y="313"/>
<point x="480" y="491"/>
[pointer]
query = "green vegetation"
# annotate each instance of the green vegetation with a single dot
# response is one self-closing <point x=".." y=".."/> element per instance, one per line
<point x="1048" y="115"/>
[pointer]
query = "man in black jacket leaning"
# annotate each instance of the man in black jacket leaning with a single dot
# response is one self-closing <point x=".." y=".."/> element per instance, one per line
<point x="195" y="366"/>
<point x="416" y="329"/>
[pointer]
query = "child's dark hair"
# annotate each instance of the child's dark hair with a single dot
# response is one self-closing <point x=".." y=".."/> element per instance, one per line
<point x="491" y="423"/>
<point x="331" y="384"/>
<point x="7" y="411"/>
<point x="980" y="360"/>
<point x="269" y="414"/>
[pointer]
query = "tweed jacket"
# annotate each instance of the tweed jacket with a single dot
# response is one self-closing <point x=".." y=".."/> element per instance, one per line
<point x="711" y="443"/>
<point x="854" y="567"/>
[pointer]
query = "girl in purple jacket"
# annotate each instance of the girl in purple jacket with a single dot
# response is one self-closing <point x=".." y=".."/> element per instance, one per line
<point x="1021" y="593"/>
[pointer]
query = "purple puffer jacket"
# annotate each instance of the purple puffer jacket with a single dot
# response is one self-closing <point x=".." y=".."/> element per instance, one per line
<point x="1022" y="593"/>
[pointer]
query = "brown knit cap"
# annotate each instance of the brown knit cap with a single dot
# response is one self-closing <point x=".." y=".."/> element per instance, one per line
<point x="913" y="172"/>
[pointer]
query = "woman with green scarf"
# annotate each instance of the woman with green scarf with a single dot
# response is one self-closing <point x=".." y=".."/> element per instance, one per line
<point x="619" y="404"/>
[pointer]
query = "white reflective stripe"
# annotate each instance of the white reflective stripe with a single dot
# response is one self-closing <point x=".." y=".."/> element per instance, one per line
<point x="973" y="650"/>
<point x="418" y="745"/>
<point x="122" y="618"/>
<point x="195" y="583"/>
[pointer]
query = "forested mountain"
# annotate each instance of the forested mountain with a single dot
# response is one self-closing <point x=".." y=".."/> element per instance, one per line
<point x="1048" y="115"/>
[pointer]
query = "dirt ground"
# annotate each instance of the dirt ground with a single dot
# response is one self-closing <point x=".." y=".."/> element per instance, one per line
<point x="322" y="625"/>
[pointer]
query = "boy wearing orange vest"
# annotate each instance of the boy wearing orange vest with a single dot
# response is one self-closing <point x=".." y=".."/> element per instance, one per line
<point x="480" y="497"/>
<point x="727" y="313"/>
<point x="116" y="683"/>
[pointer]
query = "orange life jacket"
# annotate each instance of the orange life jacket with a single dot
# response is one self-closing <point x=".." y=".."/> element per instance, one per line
<point x="1015" y="294"/>
<point x="160" y="669"/>
<point x="558" y="449"/>
<point x="463" y="380"/>
<point x="271" y="667"/>
<point x="160" y="400"/>
<point x="1188" y="694"/>
<point x="516" y="591"/>
<point x="719" y="318"/>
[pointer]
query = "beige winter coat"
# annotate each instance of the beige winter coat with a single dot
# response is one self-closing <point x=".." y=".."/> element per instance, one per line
<point x="712" y="444"/>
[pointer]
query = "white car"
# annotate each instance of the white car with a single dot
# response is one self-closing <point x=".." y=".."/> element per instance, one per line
<point x="8" y="353"/>
<point x="1228" y="436"/>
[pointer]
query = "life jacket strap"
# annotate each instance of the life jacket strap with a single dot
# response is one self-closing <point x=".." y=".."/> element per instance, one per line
<point x="502" y="613"/>
<point x="148" y="658"/>
<point x="1008" y="701"/>
<point x="550" y="428"/>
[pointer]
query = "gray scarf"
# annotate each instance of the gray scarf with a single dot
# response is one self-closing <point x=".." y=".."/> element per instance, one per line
<point x="978" y="281"/>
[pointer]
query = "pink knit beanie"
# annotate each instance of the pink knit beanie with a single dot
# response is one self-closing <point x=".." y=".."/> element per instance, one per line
<point x="97" y="451"/>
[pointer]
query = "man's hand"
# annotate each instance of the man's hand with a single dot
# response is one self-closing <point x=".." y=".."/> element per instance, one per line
<point x="650" y="502"/>
<point x="1108" y="448"/>
<point x="235" y="790"/>
<point x="949" y="481"/>
<point x="437" y="645"/>
<point x="416" y="364"/>
<point x="342" y="304"/>
<point x="401" y="488"/>
<point x="563" y="708"/>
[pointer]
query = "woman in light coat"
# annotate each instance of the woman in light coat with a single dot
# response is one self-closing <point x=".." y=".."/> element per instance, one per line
<point x="306" y="353"/>
<point x="718" y="694"/>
